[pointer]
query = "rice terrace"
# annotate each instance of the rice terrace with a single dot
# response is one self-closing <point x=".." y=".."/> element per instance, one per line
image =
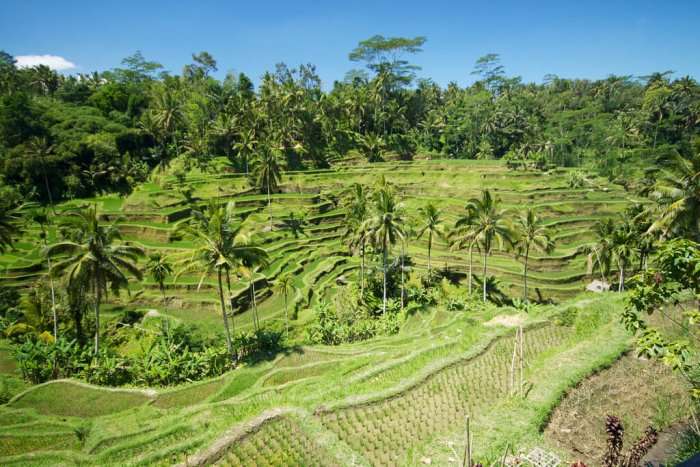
<point x="200" y="268"/>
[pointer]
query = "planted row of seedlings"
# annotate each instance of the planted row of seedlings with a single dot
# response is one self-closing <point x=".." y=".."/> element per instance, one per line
<point x="278" y="442"/>
<point x="387" y="430"/>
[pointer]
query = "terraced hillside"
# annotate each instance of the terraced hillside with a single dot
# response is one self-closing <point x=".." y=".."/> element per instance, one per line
<point x="318" y="257"/>
<point x="398" y="400"/>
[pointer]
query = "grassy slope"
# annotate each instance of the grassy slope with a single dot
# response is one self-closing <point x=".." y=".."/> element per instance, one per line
<point x="319" y="382"/>
<point x="356" y="384"/>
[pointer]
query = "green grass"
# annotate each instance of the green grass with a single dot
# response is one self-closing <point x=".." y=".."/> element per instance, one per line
<point x="68" y="399"/>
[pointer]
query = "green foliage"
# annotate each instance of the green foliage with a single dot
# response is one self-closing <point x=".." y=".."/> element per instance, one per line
<point x="676" y="271"/>
<point x="335" y="325"/>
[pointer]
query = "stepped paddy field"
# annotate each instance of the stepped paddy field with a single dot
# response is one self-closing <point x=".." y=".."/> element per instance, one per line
<point x="401" y="399"/>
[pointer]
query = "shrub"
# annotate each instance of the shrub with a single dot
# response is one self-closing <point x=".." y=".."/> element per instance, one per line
<point x="40" y="360"/>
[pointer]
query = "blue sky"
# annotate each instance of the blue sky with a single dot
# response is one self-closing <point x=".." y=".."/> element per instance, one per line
<point x="567" y="37"/>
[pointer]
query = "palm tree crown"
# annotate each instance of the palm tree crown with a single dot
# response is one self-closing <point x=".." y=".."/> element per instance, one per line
<point x="385" y="226"/>
<point x="431" y="223"/>
<point x="532" y="235"/>
<point x="93" y="259"/>
<point x="490" y="226"/>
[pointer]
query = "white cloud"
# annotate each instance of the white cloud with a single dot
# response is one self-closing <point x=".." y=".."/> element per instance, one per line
<point x="52" y="61"/>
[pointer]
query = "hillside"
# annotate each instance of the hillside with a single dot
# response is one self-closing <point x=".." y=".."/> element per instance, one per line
<point x="400" y="399"/>
<point x="150" y="217"/>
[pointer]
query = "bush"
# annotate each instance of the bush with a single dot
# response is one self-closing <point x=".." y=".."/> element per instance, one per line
<point x="333" y="328"/>
<point x="42" y="360"/>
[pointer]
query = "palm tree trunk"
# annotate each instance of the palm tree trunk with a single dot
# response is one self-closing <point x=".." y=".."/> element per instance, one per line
<point x="98" y="290"/>
<point x="53" y="298"/>
<point x="621" y="285"/>
<point x="384" y="271"/>
<point x="471" y="250"/>
<point x="484" y="276"/>
<point x="230" y="302"/>
<point x="269" y="201"/>
<point x="430" y="244"/>
<point x="286" y="316"/>
<point x="229" y="346"/>
<point x="527" y="254"/>
<point x="256" y="319"/>
<point x="403" y="254"/>
<point x="362" y="270"/>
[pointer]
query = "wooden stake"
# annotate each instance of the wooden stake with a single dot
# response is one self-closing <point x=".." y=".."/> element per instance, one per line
<point x="467" y="461"/>
<point x="505" y="454"/>
<point x="512" y="365"/>
<point x="522" y="361"/>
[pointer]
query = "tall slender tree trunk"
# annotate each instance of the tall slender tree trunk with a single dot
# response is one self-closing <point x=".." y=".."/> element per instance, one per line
<point x="98" y="291"/>
<point x="255" y="306"/>
<point x="403" y="254"/>
<point x="471" y="250"/>
<point x="269" y="201"/>
<point x="230" y="302"/>
<point x="484" y="276"/>
<point x="229" y="346"/>
<point x="527" y="254"/>
<point x="384" y="270"/>
<point x="621" y="285"/>
<point x="362" y="269"/>
<point x="286" y="316"/>
<point x="53" y="294"/>
<point x="430" y="244"/>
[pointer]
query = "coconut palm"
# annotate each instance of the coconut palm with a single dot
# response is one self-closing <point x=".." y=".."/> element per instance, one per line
<point x="490" y="227"/>
<point x="464" y="235"/>
<point x="40" y="215"/>
<point x="430" y="223"/>
<point x="600" y="251"/>
<point x="95" y="260"/>
<point x="532" y="235"/>
<point x="356" y="215"/>
<point x="268" y="173"/>
<point x="159" y="268"/>
<point x="222" y="248"/>
<point x="285" y="286"/>
<point x="624" y="241"/>
<point x="246" y="146"/>
<point x="166" y="115"/>
<point x="385" y="226"/>
<point x="678" y="197"/>
<point x="295" y="224"/>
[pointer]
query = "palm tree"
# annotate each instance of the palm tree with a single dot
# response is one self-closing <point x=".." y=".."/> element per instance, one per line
<point x="94" y="260"/>
<point x="599" y="252"/>
<point x="223" y="248"/>
<point x="41" y="149"/>
<point x="159" y="268"/>
<point x="357" y="213"/>
<point x="533" y="235"/>
<point x="465" y="234"/>
<point x="166" y="115"/>
<point x="246" y="146"/>
<point x="432" y="224"/>
<point x="678" y="196"/>
<point x="295" y="224"/>
<point x="268" y="173"/>
<point x="40" y="215"/>
<point x="624" y="239"/>
<point x="285" y="285"/>
<point x="385" y="227"/>
<point x="409" y="232"/>
<point x="490" y="226"/>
